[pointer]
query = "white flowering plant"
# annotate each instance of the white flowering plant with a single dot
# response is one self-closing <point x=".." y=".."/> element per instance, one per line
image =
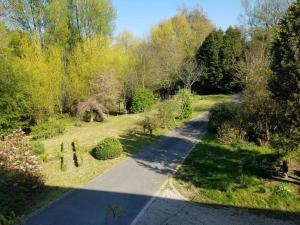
<point x="18" y="166"/>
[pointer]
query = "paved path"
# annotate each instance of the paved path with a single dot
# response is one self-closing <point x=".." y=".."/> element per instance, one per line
<point x="170" y="208"/>
<point x="117" y="196"/>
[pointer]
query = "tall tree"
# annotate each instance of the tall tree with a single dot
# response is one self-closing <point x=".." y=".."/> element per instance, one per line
<point x="231" y="53"/>
<point x="190" y="73"/>
<point x="27" y="15"/>
<point x="260" y="17"/>
<point x="208" y="55"/>
<point x="166" y="55"/>
<point x="15" y="102"/>
<point x="191" y="28"/>
<point x="285" y="81"/>
<point x="95" y="17"/>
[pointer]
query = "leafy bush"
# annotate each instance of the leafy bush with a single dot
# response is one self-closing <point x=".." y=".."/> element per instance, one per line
<point x="286" y="144"/>
<point x="230" y="135"/>
<point x="248" y="181"/>
<point x="109" y="148"/>
<point x="180" y="106"/>
<point x="86" y="117"/>
<point x="150" y="123"/>
<point x="185" y="101"/>
<point x="167" y="113"/>
<point x="48" y="129"/>
<point x="142" y="100"/>
<point x="37" y="147"/>
<point x="282" y="191"/>
<point x="221" y="113"/>
<point x="285" y="80"/>
<point x="19" y="167"/>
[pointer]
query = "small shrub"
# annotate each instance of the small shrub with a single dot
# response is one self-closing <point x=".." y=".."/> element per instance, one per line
<point x="86" y="117"/>
<point x="142" y="100"/>
<point x="150" y="123"/>
<point x="109" y="148"/>
<point x="282" y="195"/>
<point x="282" y="191"/>
<point x="230" y="135"/>
<point x="47" y="129"/>
<point x="18" y="166"/>
<point x="286" y="143"/>
<point x="37" y="147"/>
<point x="248" y="181"/>
<point x="185" y="101"/>
<point x="167" y="113"/>
<point x="220" y="114"/>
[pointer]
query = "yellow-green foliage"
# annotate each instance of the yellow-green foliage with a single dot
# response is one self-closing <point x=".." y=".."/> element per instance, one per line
<point x="55" y="53"/>
<point x="90" y="60"/>
<point x="44" y="75"/>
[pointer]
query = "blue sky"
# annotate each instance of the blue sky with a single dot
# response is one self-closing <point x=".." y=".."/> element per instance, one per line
<point x="137" y="16"/>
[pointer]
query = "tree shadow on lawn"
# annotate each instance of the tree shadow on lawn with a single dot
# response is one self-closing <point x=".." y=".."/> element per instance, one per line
<point x="223" y="175"/>
<point x="215" y="166"/>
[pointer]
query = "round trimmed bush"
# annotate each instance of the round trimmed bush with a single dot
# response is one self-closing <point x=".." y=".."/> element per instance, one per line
<point x="109" y="148"/>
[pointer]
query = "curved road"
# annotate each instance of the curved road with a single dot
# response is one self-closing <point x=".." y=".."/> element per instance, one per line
<point x="119" y="195"/>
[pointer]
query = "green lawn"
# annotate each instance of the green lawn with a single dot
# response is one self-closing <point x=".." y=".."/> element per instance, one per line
<point x="57" y="182"/>
<point x="213" y="174"/>
<point x="124" y="127"/>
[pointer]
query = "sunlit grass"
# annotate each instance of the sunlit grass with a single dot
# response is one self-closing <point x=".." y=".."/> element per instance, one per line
<point x="213" y="174"/>
<point x="124" y="127"/>
<point x="89" y="134"/>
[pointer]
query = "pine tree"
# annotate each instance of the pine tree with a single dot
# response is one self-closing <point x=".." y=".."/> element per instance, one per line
<point x="208" y="55"/>
<point x="285" y="81"/>
<point x="230" y="54"/>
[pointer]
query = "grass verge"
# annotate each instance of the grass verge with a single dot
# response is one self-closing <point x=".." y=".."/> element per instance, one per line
<point x="213" y="174"/>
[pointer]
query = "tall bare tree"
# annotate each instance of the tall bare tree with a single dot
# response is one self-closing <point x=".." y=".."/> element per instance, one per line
<point x="190" y="73"/>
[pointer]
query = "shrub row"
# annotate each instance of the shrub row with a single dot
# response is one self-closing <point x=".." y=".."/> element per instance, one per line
<point x="238" y="122"/>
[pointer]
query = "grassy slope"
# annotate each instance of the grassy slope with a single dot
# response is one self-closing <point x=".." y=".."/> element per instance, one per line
<point x="89" y="134"/>
<point x="212" y="174"/>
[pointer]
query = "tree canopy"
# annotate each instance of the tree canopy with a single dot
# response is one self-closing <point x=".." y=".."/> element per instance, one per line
<point x="285" y="81"/>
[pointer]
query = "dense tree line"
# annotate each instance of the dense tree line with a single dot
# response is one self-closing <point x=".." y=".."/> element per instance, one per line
<point x="57" y="53"/>
<point x="60" y="53"/>
<point x="219" y="53"/>
<point x="268" y="73"/>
